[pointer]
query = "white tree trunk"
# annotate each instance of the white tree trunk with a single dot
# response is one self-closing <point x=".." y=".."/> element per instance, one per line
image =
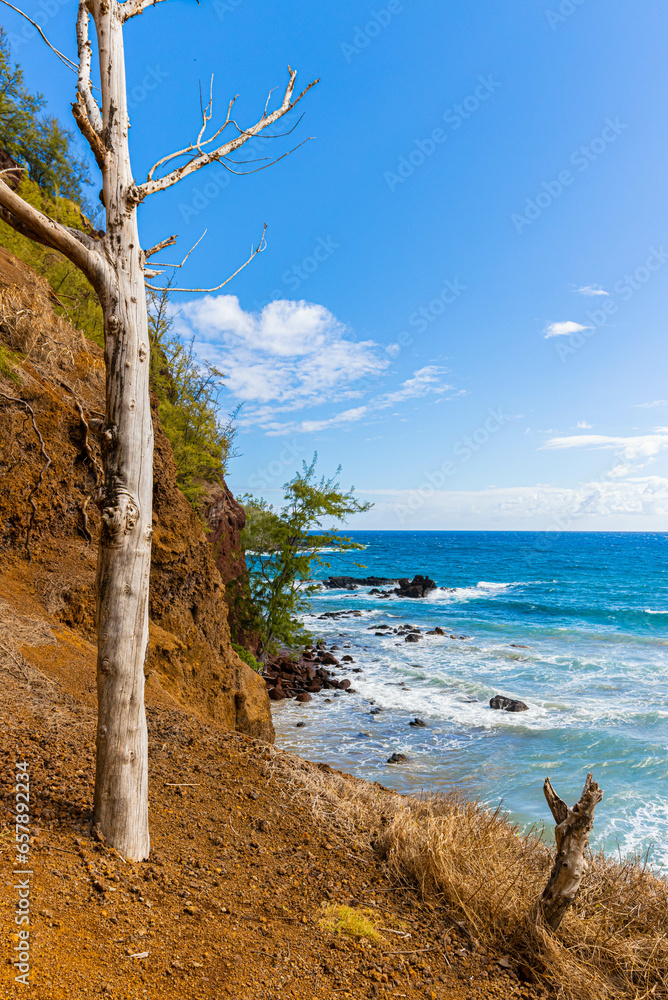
<point x="121" y="780"/>
<point x="114" y="263"/>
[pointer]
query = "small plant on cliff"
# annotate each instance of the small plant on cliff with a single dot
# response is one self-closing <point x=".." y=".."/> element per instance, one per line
<point x="283" y="546"/>
<point x="355" y="922"/>
<point x="247" y="657"/>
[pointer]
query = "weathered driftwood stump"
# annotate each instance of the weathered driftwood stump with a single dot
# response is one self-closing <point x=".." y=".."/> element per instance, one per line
<point x="572" y="835"/>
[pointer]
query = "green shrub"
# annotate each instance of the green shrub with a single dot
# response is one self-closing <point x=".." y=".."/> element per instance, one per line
<point x="8" y="364"/>
<point x="247" y="657"/>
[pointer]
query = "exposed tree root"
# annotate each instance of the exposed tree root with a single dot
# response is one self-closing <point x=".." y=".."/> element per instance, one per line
<point x="47" y="463"/>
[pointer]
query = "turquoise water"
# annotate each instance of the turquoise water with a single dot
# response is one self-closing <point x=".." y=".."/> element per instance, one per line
<point x="592" y="608"/>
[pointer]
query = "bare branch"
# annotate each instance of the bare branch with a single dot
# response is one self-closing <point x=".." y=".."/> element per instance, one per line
<point x="244" y="173"/>
<point x="86" y="112"/>
<point x="78" y="247"/>
<point x="217" y="155"/>
<point x="133" y="7"/>
<point x="193" y="146"/>
<point x="80" y="113"/>
<point x="278" y="135"/>
<point x="85" y="54"/>
<point x="258" y="249"/>
<point x="26" y="230"/>
<point x="207" y="113"/>
<point x="266" y="103"/>
<point x="169" y="242"/>
<point x="158" y="264"/>
<point x="558" y="807"/>
<point x="63" y="58"/>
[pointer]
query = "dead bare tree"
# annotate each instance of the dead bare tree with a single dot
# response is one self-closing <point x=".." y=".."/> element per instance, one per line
<point x="115" y="265"/>
<point x="572" y="836"/>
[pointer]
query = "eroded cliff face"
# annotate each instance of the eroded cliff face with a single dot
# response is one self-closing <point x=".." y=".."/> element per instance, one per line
<point x="190" y="659"/>
<point x="225" y="519"/>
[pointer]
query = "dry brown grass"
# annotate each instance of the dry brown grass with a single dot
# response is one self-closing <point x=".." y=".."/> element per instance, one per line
<point x="488" y="876"/>
<point x="18" y="630"/>
<point x="29" y="326"/>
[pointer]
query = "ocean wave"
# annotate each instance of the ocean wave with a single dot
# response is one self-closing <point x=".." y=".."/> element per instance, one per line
<point x="482" y="589"/>
<point x="333" y="548"/>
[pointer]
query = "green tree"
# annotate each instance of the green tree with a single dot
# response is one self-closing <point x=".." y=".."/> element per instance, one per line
<point x="188" y="391"/>
<point x="37" y="141"/>
<point x="282" y="548"/>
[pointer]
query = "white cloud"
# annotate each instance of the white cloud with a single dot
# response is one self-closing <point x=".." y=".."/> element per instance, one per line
<point x="651" y="406"/>
<point x="563" y="329"/>
<point x="619" y="471"/>
<point x="582" y="425"/>
<point x="592" y="290"/>
<point x="424" y="382"/>
<point x="640" y="503"/>
<point x="633" y="448"/>
<point x="345" y="417"/>
<point x="293" y="356"/>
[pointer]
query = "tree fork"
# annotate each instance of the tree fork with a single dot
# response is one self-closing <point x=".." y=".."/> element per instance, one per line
<point x="572" y="836"/>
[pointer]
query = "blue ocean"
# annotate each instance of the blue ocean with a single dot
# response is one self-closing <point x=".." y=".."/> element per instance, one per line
<point x="573" y="624"/>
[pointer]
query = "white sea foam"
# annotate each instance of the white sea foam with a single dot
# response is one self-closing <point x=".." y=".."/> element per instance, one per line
<point x="597" y="689"/>
<point x="483" y="589"/>
<point x="643" y="824"/>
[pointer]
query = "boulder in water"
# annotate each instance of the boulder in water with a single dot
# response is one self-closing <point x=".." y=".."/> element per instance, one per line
<point x="418" y="587"/>
<point x="507" y="704"/>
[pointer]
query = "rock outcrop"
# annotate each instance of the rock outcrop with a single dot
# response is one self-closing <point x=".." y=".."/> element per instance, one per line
<point x="501" y="703"/>
<point x="225" y="519"/>
<point x="353" y="582"/>
<point x="290" y="676"/>
<point x="419" y="586"/>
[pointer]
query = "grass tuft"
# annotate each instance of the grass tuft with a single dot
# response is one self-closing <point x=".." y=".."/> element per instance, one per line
<point x="354" y="922"/>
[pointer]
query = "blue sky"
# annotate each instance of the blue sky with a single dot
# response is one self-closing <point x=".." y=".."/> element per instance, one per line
<point x="463" y="295"/>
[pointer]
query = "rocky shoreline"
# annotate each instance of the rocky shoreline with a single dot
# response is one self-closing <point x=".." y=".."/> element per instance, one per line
<point x="416" y="588"/>
<point x="300" y="675"/>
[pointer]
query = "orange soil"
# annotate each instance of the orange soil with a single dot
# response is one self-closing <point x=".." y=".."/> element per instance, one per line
<point x="230" y="902"/>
